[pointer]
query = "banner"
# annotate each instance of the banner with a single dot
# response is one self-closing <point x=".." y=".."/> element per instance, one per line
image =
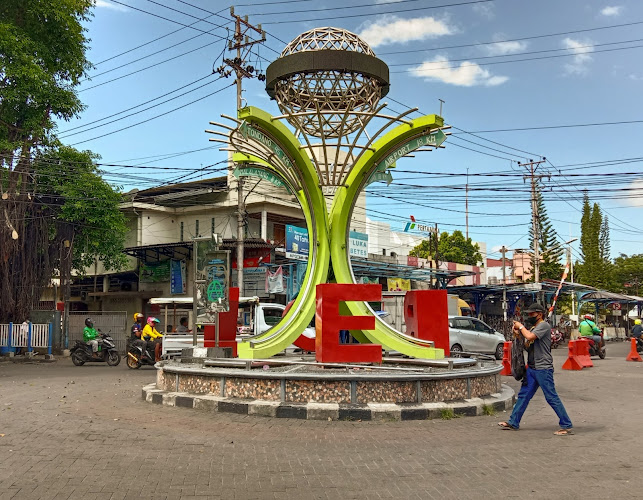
<point x="398" y="285"/>
<point x="154" y="272"/>
<point x="296" y="243"/>
<point x="365" y="280"/>
<point x="177" y="277"/>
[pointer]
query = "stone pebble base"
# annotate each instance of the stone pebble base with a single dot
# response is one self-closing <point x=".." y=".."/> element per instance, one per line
<point x="503" y="400"/>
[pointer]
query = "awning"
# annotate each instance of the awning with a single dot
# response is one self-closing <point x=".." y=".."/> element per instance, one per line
<point x="181" y="250"/>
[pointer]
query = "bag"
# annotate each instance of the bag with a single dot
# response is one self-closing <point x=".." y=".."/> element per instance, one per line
<point x="518" y="369"/>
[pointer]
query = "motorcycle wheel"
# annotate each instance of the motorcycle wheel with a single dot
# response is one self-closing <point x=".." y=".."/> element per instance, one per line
<point x="113" y="358"/>
<point x="601" y="353"/>
<point x="132" y="363"/>
<point x="77" y="358"/>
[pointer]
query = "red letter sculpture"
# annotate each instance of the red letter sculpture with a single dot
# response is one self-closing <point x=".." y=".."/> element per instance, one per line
<point x="328" y="323"/>
<point x="427" y="317"/>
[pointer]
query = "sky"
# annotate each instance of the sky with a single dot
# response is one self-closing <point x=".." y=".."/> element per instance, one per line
<point x="520" y="81"/>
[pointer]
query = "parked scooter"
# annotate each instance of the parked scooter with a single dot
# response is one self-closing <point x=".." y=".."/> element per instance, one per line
<point x="81" y="353"/>
<point x="556" y="338"/>
<point x="137" y="358"/>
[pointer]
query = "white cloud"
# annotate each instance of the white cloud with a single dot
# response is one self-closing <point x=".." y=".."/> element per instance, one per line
<point x="485" y="10"/>
<point x="504" y="48"/>
<point x="612" y="11"/>
<point x="467" y="74"/>
<point x="635" y="198"/>
<point x="392" y="29"/>
<point x="582" y="55"/>
<point x="109" y="5"/>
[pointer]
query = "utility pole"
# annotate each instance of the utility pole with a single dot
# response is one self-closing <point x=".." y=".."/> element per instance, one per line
<point x="437" y="263"/>
<point x="532" y="166"/>
<point x="466" y="204"/>
<point x="504" y="250"/>
<point x="238" y="64"/>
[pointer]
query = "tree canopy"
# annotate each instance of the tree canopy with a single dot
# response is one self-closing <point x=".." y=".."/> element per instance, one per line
<point x="57" y="213"/>
<point x="595" y="268"/>
<point x="452" y="247"/>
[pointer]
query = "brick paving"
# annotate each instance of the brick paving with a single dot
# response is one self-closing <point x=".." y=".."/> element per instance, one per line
<point x="84" y="432"/>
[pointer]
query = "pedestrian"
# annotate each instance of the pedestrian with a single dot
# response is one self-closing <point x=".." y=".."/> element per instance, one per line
<point x="183" y="325"/>
<point x="540" y="371"/>
<point x="23" y="336"/>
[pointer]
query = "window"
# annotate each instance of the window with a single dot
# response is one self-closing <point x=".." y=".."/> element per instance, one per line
<point x="481" y="327"/>
<point x="272" y="316"/>
<point x="181" y="237"/>
<point x="463" y="324"/>
<point x="196" y="228"/>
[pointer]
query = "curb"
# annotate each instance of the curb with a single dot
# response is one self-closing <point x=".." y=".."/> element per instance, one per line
<point x="500" y="401"/>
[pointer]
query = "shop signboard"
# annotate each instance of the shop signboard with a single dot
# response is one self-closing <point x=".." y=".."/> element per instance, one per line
<point x="154" y="272"/>
<point x="177" y="277"/>
<point x="297" y="244"/>
<point x="358" y="244"/>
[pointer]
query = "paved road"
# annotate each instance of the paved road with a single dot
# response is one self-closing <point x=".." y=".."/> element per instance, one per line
<point x="84" y="432"/>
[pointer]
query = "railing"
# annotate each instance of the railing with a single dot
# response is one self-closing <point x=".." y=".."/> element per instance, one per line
<point x="26" y="336"/>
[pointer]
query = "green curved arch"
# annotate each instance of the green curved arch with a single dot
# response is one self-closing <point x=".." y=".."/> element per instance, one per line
<point x="313" y="205"/>
<point x="340" y="214"/>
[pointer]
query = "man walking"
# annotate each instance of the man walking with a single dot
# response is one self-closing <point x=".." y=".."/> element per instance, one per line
<point x="540" y="371"/>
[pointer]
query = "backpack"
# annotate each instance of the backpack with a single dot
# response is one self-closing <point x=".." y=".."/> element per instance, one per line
<point x="518" y="369"/>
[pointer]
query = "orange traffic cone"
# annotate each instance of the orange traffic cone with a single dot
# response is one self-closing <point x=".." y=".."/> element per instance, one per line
<point x="633" y="355"/>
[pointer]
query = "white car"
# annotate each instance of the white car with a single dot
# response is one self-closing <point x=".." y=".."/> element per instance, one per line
<point x="468" y="334"/>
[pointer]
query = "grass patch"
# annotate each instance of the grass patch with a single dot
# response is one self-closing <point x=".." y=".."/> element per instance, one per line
<point x="447" y="413"/>
<point x="488" y="410"/>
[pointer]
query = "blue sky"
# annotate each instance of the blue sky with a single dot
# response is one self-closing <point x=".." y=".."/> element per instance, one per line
<point x="552" y="64"/>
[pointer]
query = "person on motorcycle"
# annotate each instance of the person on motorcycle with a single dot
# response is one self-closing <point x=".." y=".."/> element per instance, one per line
<point x="91" y="336"/>
<point x="588" y="329"/>
<point x="136" y="331"/>
<point x="152" y="336"/>
<point x="637" y="331"/>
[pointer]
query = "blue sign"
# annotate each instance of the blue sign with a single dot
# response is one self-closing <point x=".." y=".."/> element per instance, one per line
<point x="296" y="243"/>
<point x="177" y="277"/>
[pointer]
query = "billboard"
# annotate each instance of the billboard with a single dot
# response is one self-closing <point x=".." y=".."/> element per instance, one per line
<point x="297" y="244"/>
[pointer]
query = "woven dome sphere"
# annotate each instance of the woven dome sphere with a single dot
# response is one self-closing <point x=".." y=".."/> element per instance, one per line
<point x="328" y="76"/>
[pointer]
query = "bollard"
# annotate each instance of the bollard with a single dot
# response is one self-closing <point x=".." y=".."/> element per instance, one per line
<point x="506" y="359"/>
<point x="633" y="355"/>
<point x="582" y="353"/>
<point x="572" y="362"/>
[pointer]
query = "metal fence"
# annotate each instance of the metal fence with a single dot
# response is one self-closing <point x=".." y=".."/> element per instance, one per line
<point x="113" y="323"/>
<point x="26" y="336"/>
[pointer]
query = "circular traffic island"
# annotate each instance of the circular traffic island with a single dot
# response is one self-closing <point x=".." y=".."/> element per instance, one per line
<point x="297" y="387"/>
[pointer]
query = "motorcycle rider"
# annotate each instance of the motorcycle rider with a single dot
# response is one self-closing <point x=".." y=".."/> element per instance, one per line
<point x="153" y="337"/>
<point x="637" y="333"/>
<point x="588" y="329"/>
<point x="90" y="336"/>
<point x="136" y="331"/>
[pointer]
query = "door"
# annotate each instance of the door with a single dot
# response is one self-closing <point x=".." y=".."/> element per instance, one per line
<point x="467" y="336"/>
<point x="486" y="338"/>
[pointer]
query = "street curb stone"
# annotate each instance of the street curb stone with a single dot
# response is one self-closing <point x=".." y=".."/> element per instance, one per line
<point x="500" y="401"/>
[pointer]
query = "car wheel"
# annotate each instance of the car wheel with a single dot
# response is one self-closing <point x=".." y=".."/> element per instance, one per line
<point x="500" y="350"/>
<point x="456" y="351"/>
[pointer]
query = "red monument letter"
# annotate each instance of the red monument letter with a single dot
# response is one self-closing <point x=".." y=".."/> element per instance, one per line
<point x="427" y="317"/>
<point x="328" y="323"/>
<point x="227" y="326"/>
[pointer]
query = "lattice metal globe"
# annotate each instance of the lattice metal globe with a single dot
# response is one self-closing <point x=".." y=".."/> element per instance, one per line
<point x="325" y="82"/>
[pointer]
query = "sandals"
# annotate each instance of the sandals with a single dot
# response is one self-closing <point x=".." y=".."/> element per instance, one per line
<point x="564" y="432"/>
<point x="506" y="426"/>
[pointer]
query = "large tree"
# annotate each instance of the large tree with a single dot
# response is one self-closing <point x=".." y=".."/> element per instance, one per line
<point x="452" y="247"/>
<point x="56" y="213"/>
<point x="595" y="268"/>
<point x="549" y="248"/>
<point x="628" y="273"/>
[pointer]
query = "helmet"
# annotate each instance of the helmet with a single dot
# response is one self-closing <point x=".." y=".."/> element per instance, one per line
<point x="588" y="316"/>
<point x="138" y="315"/>
<point x="89" y="323"/>
<point x="156" y="320"/>
<point x="151" y="320"/>
<point x="637" y="321"/>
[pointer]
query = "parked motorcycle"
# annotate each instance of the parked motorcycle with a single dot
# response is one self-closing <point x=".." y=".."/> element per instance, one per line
<point x="137" y="358"/>
<point x="556" y="338"/>
<point x="82" y="353"/>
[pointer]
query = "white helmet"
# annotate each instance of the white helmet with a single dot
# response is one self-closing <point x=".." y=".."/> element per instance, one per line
<point x="589" y="316"/>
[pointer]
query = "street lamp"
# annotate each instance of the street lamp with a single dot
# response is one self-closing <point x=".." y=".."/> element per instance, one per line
<point x="571" y="269"/>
